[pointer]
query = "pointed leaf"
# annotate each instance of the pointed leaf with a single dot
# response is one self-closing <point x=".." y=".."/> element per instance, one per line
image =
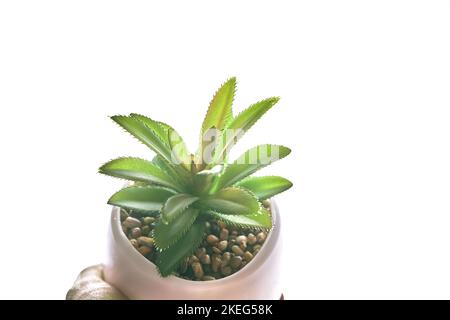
<point x="144" y="134"/>
<point x="219" y="111"/>
<point x="175" y="206"/>
<point x="178" y="174"/>
<point x="218" y="116"/>
<point x="241" y="124"/>
<point x="204" y="180"/>
<point x="137" y="169"/>
<point x="232" y="200"/>
<point x="251" y="161"/>
<point x="167" y="234"/>
<point x="149" y="198"/>
<point x="167" y="134"/>
<point x="170" y="259"/>
<point x="265" y="187"/>
<point x="180" y="152"/>
<point x="159" y="128"/>
<point x="260" y="220"/>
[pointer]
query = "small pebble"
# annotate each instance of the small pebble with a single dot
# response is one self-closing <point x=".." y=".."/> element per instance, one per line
<point x="193" y="259"/>
<point x="241" y="239"/>
<point x="208" y="278"/>
<point x="234" y="233"/>
<point x="251" y="238"/>
<point x="248" y="256"/>
<point x="146" y="241"/>
<point x="237" y="251"/>
<point x="212" y="239"/>
<point x="243" y="246"/>
<point x="198" y="270"/>
<point x="224" y="234"/>
<point x="226" y="257"/>
<point x="148" y="220"/>
<point x="205" y="259"/>
<point x="261" y="237"/>
<point x="216" y="261"/>
<point x="235" y="262"/>
<point x="222" y="245"/>
<point x="200" y="252"/>
<point x="216" y="250"/>
<point x="131" y="222"/>
<point x="221" y="224"/>
<point x="144" y="250"/>
<point x="134" y="243"/>
<point x="136" y="233"/>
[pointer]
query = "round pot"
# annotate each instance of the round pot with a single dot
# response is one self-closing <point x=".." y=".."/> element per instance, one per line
<point x="138" y="278"/>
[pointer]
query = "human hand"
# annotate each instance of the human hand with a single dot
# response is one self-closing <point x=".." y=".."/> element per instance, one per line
<point x="90" y="286"/>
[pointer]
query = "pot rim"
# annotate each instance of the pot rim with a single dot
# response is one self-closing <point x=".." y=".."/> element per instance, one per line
<point x="258" y="261"/>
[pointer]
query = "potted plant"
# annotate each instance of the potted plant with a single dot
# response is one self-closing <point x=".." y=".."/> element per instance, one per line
<point x="196" y="226"/>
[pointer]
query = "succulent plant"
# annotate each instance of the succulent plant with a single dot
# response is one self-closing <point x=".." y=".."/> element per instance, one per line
<point x="186" y="190"/>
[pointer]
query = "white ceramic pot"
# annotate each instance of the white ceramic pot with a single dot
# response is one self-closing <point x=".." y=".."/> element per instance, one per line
<point x="137" y="277"/>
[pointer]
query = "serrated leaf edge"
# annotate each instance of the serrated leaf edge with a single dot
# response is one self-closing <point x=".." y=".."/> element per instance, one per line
<point x="167" y="221"/>
<point x="158" y="123"/>
<point x="219" y="216"/>
<point x="153" y="131"/>
<point x="180" y="234"/>
<point x="139" y="187"/>
<point x="173" y="183"/>
<point x="190" y="252"/>
<point x="276" y="99"/>
<point x="260" y="206"/>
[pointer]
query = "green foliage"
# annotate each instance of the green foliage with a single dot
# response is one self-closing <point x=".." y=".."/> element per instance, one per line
<point x="185" y="190"/>
<point x="148" y="198"/>
<point x="265" y="187"/>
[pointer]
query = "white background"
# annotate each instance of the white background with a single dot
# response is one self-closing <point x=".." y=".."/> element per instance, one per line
<point x="365" y="106"/>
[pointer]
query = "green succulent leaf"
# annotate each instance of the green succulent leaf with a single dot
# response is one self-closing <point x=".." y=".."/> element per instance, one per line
<point x="219" y="111"/>
<point x="137" y="169"/>
<point x="232" y="200"/>
<point x="250" y="162"/>
<point x="178" y="174"/>
<point x="167" y="234"/>
<point x="265" y="187"/>
<point x="219" y="114"/>
<point x="170" y="259"/>
<point x="159" y="128"/>
<point x="262" y="220"/>
<point x="240" y="125"/>
<point x="180" y="152"/>
<point x="203" y="181"/>
<point x="145" y="134"/>
<point x="175" y="206"/>
<point x="148" y="198"/>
